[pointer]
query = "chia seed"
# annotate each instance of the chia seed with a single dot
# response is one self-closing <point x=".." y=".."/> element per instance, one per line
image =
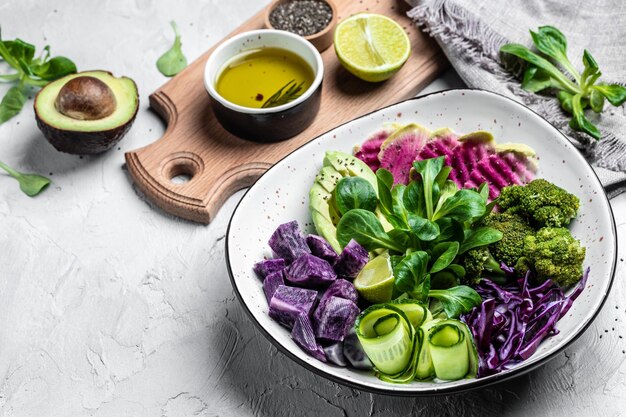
<point x="302" y="17"/>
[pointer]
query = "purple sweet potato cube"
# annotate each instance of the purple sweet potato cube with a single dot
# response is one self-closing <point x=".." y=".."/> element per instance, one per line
<point x="287" y="242"/>
<point x="267" y="266"/>
<point x="271" y="283"/>
<point x="354" y="353"/>
<point x="321" y="248"/>
<point x="342" y="288"/>
<point x="351" y="260"/>
<point x="339" y="288"/>
<point x="302" y="334"/>
<point x="336" y="319"/>
<point x="334" y="354"/>
<point x="289" y="302"/>
<point x="310" y="271"/>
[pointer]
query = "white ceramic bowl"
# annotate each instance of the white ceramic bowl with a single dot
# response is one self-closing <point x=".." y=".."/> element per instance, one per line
<point x="281" y="195"/>
<point x="273" y="123"/>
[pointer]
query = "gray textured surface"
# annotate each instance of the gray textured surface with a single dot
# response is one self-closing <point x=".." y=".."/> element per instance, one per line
<point x="111" y="308"/>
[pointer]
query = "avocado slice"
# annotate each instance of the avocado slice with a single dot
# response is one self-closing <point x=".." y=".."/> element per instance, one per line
<point x="323" y="213"/>
<point x="87" y="112"/>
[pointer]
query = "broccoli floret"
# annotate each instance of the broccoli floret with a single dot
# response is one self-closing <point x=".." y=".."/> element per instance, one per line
<point x="514" y="230"/>
<point x="553" y="253"/>
<point x="479" y="262"/>
<point x="541" y="202"/>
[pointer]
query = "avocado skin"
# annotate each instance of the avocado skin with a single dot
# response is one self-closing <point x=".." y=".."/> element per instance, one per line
<point x="84" y="143"/>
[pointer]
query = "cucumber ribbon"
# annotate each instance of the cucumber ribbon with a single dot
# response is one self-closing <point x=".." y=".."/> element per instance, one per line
<point x="404" y="343"/>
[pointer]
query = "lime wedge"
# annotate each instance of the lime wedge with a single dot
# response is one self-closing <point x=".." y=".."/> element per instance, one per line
<point x="375" y="281"/>
<point x="371" y="46"/>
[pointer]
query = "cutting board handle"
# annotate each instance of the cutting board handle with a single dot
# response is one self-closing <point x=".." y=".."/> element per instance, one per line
<point x="199" y="198"/>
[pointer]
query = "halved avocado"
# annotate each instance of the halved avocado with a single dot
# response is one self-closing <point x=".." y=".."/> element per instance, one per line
<point x="87" y="112"/>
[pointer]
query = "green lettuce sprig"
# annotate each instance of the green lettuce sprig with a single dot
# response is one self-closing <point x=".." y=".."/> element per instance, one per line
<point x="424" y="226"/>
<point x="575" y="91"/>
<point x="28" y="71"/>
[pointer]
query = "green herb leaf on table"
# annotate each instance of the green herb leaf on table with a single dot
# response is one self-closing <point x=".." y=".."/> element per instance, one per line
<point x="29" y="71"/>
<point x="282" y="96"/>
<point x="30" y="184"/>
<point x="55" y="68"/>
<point x="526" y="54"/>
<point x="614" y="93"/>
<point x="12" y="103"/>
<point x="580" y="122"/>
<point x="553" y="43"/>
<point x="596" y="101"/>
<point x="536" y="80"/>
<point x="173" y="61"/>
<point x="565" y="99"/>
<point x="575" y="94"/>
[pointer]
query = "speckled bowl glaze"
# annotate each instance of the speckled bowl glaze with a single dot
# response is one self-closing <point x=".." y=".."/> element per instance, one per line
<point x="281" y="195"/>
<point x="271" y="124"/>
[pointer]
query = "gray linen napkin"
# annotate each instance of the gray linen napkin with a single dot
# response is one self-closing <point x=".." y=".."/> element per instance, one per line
<point x="471" y="32"/>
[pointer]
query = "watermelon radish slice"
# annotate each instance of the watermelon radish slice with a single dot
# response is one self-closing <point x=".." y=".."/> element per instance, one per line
<point x="442" y="143"/>
<point x="398" y="152"/>
<point x="474" y="157"/>
<point x="368" y="151"/>
<point x="515" y="165"/>
<point x="473" y="148"/>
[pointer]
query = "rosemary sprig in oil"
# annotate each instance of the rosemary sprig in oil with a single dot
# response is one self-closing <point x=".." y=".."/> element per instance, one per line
<point x="284" y="95"/>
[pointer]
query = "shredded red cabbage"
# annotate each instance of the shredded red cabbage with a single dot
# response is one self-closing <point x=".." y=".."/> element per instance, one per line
<point x="513" y="319"/>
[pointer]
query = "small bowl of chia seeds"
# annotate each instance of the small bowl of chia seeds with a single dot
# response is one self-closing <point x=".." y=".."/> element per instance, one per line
<point x="314" y="20"/>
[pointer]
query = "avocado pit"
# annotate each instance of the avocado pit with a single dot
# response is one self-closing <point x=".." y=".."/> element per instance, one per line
<point x="86" y="98"/>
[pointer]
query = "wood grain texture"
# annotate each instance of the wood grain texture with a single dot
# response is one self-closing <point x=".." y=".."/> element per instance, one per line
<point x="219" y="163"/>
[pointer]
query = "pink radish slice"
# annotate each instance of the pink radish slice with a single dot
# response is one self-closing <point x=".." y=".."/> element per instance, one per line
<point x="400" y="150"/>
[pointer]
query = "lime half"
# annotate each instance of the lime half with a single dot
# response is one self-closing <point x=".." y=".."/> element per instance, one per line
<point x="375" y="281"/>
<point x="371" y="46"/>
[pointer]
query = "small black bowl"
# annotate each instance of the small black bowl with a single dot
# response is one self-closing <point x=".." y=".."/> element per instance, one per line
<point x="270" y="124"/>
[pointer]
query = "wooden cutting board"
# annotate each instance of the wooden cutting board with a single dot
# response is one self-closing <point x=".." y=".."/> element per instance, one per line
<point x="218" y="163"/>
